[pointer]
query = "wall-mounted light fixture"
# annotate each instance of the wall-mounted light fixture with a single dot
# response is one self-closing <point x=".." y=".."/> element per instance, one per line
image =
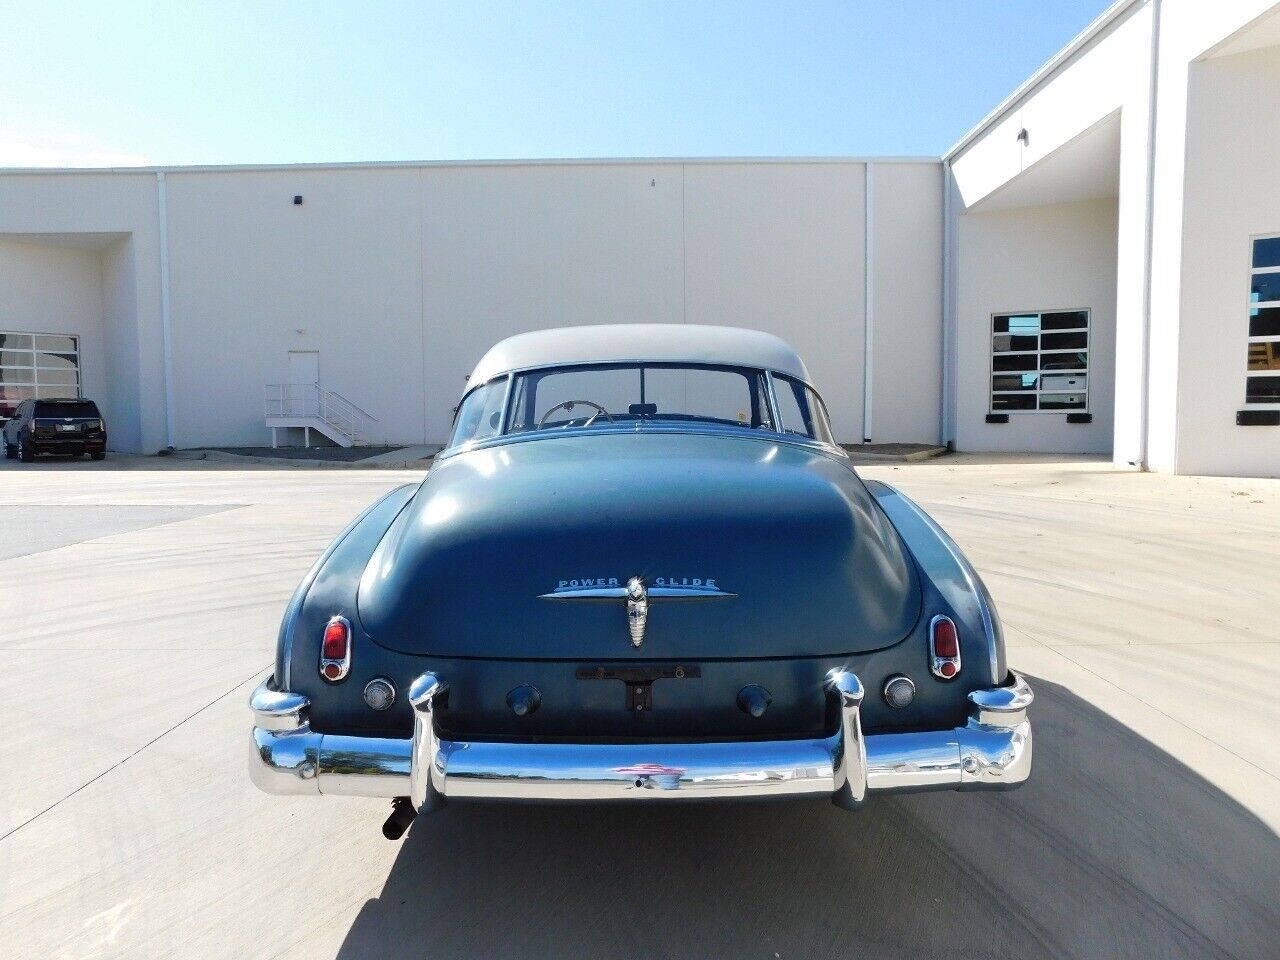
<point x="1023" y="137"/>
<point x="297" y="199"/>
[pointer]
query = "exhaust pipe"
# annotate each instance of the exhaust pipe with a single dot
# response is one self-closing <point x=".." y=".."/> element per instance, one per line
<point x="402" y="814"/>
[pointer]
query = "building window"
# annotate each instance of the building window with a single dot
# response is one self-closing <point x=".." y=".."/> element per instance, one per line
<point x="39" y="365"/>
<point x="1040" y="362"/>
<point x="1262" y="377"/>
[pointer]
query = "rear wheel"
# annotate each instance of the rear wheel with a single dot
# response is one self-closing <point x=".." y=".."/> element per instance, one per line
<point x="25" y="453"/>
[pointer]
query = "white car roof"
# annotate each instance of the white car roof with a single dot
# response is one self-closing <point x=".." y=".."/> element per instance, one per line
<point x="654" y="342"/>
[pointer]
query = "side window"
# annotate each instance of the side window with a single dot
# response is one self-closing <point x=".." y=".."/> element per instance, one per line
<point x="480" y="414"/>
<point x="800" y="410"/>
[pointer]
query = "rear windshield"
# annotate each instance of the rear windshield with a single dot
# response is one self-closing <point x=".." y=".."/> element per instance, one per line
<point x="66" y="408"/>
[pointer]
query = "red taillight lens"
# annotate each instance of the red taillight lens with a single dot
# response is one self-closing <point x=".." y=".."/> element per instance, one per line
<point x="335" y="640"/>
<point x="944" y="648"/>
<point x="335" y="649"/>
<point x="945" y="642"/>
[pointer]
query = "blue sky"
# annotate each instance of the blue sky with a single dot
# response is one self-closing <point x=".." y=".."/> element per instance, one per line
<point x="272" y="82"/>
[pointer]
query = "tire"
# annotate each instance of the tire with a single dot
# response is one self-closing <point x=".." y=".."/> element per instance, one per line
<point x="25" y="453"/>
<point x="102" y="455"/>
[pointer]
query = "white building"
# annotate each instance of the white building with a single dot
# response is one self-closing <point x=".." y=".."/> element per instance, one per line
<point x="1088" y="270"/>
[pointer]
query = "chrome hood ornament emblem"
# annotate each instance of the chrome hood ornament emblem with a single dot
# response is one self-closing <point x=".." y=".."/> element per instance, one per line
<point x="637" y="610"/>
<point x="638" y="593"/>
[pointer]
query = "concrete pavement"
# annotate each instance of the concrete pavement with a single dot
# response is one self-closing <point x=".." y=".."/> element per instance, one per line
<point x="136" y="618"/>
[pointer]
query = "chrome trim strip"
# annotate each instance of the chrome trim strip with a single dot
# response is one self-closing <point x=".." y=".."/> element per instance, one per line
<point x="992" y="751"/>
<point x="653" y="593"/>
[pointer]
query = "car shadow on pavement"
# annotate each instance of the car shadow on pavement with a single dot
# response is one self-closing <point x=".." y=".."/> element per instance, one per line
<point x="1114" y="849"/>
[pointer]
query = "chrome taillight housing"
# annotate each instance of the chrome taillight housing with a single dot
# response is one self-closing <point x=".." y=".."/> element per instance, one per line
<point x="944" y="648"/>
<point x="335" y="649"/>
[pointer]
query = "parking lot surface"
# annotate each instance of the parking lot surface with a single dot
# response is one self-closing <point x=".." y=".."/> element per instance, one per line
<point x="140" y="604"/>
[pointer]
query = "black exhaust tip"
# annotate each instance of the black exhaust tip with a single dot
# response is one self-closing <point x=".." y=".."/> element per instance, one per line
<point x="402" y="814"/>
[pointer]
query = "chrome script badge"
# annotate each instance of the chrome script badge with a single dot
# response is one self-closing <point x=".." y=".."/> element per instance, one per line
<point x="638" y="594"/>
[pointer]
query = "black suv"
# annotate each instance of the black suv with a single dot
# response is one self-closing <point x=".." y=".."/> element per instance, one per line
<point x="55" y="426"/>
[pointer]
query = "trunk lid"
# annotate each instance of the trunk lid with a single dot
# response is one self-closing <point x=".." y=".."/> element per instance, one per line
<point x="809" y="564"/>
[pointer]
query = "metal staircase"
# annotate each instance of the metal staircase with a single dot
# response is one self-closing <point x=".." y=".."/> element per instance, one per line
<point x="311" y="407"/>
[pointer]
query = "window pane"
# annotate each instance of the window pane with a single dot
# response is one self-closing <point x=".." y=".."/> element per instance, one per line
<point x="17" y="375"/>
<point x="1065" y="361"/>
<point x="1067" y="320"/>
<point x="15" y="341"/>
<point x="1062" y="401"/>
<point x="61" y="361"/>
<point x="1003" y="342"/>
<point x="1064" y="382"/>
<point x="1264" y="356"/>
<point x="1264" y="322"/>
<point x="1014" y="361"/>
<point x="84" y="408"/>
<point x="1264" y="286"/>
<point x="480" y="416"/>
<point x="691" y="391"/>
<point x="57" y="393"/>
<point x="1018" y="381"/>
<point x="60" y="377"/>
<point x="1262" y="390"/>
<point x="800" y="410"/>
<point x="1064" y="341"/>
<point x="55" y="344"/>
<point x="17" y="358"/>
<point x="1266" y="253"/>
<point x="1013" y="401"/>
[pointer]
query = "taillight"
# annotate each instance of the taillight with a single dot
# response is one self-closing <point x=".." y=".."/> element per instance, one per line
<point x="335" y="649"/>
<point x="944" y="648"/>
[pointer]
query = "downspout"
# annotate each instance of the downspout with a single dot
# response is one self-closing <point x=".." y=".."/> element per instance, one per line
<point x="868" y="304"/>
<point x="948" y="320"/>
<point x="1153" y="102"/>
<point x="166" y="335"/>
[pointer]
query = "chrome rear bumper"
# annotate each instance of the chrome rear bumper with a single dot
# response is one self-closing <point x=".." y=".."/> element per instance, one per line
<point x="992" y="751"/>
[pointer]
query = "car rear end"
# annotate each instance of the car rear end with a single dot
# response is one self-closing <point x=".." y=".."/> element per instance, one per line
<point x="68" y="428"/>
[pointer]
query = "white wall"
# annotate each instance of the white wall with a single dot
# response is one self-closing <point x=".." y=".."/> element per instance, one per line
<point x="253" y="276"/>
<point x="402" y="277"/>
<point x="507" y="249"/>
<point x="1232" y="169"/>
<point x="780" y="248"/>
<point x="906" y="303"/>
<point x="1057" y="257"/>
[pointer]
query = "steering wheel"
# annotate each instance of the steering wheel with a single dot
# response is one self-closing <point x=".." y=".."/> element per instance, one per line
<point x="568" y="405"/>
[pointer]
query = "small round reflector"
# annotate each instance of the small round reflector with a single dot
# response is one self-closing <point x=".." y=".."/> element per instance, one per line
<point x="899" y="691"/>
<point x="380" y="693"/>
<point x="332" y="671"/>
<point x="947" y="669"/>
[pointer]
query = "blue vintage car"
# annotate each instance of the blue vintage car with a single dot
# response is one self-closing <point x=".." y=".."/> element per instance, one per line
<point x="641" y="570"/>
